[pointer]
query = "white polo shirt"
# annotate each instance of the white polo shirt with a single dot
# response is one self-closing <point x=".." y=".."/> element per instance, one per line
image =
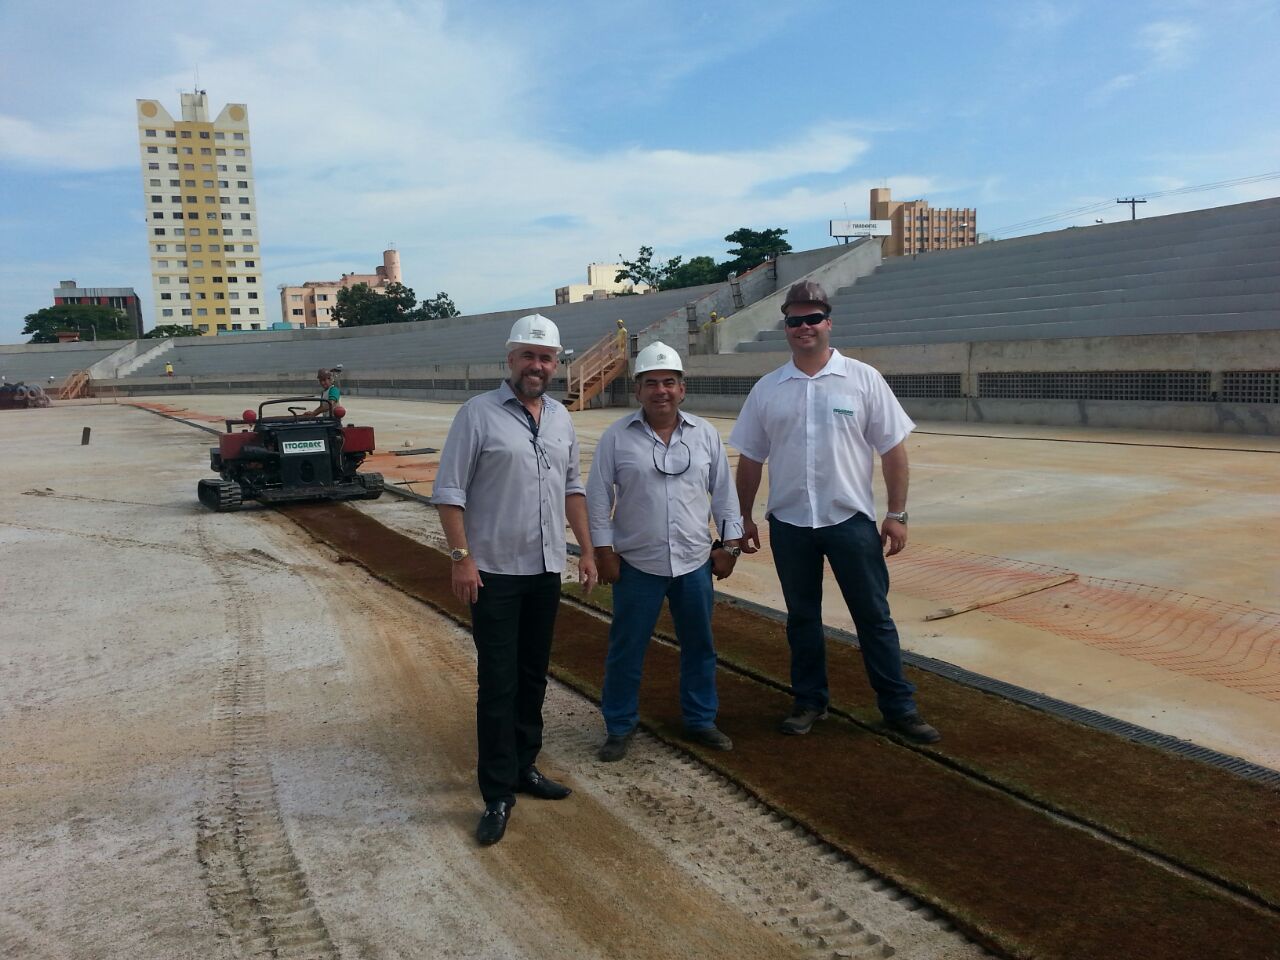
<point x="819" y="436"/>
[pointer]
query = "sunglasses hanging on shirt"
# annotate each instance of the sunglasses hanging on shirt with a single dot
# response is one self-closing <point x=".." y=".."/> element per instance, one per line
<point x="812" y="319"/>
<point x="672" y="455"/>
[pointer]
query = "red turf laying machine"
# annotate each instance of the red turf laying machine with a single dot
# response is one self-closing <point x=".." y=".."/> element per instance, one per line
<point x="289" y="457"/>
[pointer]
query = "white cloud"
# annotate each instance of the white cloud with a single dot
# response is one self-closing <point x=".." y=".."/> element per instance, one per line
<point x="1168" y="43"/>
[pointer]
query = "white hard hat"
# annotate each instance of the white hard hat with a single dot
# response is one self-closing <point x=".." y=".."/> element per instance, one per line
<point x="657" y="356"/>
<point x="534" y="330"/>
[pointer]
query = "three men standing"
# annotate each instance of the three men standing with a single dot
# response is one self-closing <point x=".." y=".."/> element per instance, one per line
<point x="819" y="421"/>
<point x="508" y="478"/>
<point x="658" y="476"/>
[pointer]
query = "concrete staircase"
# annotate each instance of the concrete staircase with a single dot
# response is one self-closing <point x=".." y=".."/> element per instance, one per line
<point x="1202" y="272"/>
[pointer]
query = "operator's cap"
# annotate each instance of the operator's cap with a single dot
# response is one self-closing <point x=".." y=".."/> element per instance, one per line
<point x="807" y="291"/>
<point x="658" y="356"/>
<point x="534" y="330"/>
<point x="323" y="372"/>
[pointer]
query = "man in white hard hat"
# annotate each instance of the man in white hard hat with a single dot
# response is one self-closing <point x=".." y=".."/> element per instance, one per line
<point x="819" y="421"/>
<point x="658" y="476"/>
<point x="508" y="478"/>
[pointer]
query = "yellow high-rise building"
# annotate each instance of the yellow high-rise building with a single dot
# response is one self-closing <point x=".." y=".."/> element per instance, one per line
<point x="202" y="219"/>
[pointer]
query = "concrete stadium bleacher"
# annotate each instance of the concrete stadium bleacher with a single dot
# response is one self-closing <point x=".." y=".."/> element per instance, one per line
<point x="1202" y="272"/>
<point x="36" y="363"/>
<point x="468" y="339"/>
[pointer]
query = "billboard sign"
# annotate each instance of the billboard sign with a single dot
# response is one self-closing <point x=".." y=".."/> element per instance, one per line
<point x="861" y="228"/>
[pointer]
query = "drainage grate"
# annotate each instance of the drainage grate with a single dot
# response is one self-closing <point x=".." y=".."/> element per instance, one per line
<point x="1251" y="386"/>
<point x="925" y="386"/>
<point x="1155" y="385"/>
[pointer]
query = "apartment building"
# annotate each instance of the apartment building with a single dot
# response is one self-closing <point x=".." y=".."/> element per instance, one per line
<point x="124" y="299"/>
<point x="920" y="228"/>
<point x="202" y="218"/>
<point x="311" y="304"/>
<point x="600" y="285"/>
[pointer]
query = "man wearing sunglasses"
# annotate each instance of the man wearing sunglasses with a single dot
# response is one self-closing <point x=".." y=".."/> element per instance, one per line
<point x="819" y="421"/>
<point x="657" y="477"/>
<point x="508" y="478"/>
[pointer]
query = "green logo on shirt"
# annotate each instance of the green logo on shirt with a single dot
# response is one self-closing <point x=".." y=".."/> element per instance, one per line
<point x="843" y="412"/>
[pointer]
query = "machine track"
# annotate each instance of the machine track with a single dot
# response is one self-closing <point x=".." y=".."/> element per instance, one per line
<point x="255" y="883"/>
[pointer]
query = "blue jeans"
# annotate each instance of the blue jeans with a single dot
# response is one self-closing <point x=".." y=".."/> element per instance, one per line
<point x="857" y="560"/>
<point x="637" y="602"/>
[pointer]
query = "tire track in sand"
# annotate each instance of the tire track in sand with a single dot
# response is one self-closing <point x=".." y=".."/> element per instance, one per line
<point x="255" y="883"/>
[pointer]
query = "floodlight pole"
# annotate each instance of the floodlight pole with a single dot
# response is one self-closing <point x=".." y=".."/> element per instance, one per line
<point x="1133" y="206"/>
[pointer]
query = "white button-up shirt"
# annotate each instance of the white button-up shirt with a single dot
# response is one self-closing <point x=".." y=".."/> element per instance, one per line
<point x="656" y="520"/>
<point x="512" y="491"/>
<point x="819" y="435"/>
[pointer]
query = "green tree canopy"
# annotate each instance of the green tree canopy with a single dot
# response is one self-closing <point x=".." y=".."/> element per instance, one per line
<point x="172" y="330"/>
<point x="754" y="247"/>
<point x="439" y="307"/>
<point x="94" y="322"/>
<point x="361" y="306"/>
<point x="696" y="272"/>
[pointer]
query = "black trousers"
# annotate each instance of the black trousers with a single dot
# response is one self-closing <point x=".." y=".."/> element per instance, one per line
<point x="512" y="623"/>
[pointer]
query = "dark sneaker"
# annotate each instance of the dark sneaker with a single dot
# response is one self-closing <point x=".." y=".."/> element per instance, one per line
<point x="802" y="720"/>
<point x="709" y="737"/>
<point x="615" y="748"/>
<point x="913" y="727"/>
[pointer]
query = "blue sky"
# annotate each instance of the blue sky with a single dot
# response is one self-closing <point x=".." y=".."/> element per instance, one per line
<point x="503" y="146"/>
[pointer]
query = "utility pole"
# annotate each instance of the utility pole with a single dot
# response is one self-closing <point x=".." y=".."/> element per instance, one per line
<point x="1133" y="206"/>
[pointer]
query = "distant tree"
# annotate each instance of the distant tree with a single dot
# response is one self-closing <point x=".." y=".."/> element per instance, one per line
<point x="754" y="248"/>
<point x="643" y="270"/>
<point x="92" y="321"/>
<point x="696" y="272"/>
<point x="172" y="330"/>
<point x="440" y="307"/>
<point x="361" y="306"/>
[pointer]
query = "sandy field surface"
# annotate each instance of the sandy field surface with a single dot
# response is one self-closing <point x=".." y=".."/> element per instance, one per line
<point x="219" y="740"/>
<point x="1173" y="622"/>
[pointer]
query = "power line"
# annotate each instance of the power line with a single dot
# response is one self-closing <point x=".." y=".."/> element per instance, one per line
<point x="1104" y="204"/>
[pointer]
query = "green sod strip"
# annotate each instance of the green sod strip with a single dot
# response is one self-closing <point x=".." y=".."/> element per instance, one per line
<point x="1022" y="881"/>
<point x="1201" y="817"/>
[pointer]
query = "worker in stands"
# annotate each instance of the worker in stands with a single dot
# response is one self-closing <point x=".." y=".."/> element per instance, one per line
<point x="329" y="394"/>
<point x="819" y="421"/>
<point x="508" y="478"/>
<point x="658" y="476"/>
<point x="620" y="338"/>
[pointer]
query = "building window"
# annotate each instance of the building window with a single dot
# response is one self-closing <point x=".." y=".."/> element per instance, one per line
<point x="244" y="200"/>
<point x="241" y="168"/>
<point x="224" y="199"/>
<point x="162" y="264"/>
<point x="188" y="151"/>
<point x="171" y="134"/>
<point x="219" y="135"/>
<point x="207" y="167"/>
<point x="254" y="310"/>
<point x="250" y="279"/>
<point x="242" y="184"/>
<point x="167" y="312"/>
<point x="253" y="295"/>
<point x="223" y="184"/>
<point x="246" y="233"/>
<point x="186" y="311"/>
<point x="202" y="311"/>
<point x="180" y="248"/>
<point x="239" y="153"/>
<point x="153" y="149"/>
<point x="206" y="152"/>
<point x="184" y="279"/>
<point x="158" y="231"/>
<point x="154" y="183"/>
<point x="221" y="152"/>
<point x="157" y="215"/>
<point x="246" y="216"/>
<point x="166" y="296"/>
<point x="235" y="311"/>
<point x="225" y="216"/>
<point x="153" y="166"/>
<point x="204" y="134"/>
<point x="164" y="279"/>
<point x="237" y="136"/>
<point x="162" y="248"/>
<point x="233" y="295"/>
<point x="247" y="248"/>
<point x="151" y="133"/>
<point x="220" y="311"/>
<point x="296" y="313"/>
<point x="185" y="166"/>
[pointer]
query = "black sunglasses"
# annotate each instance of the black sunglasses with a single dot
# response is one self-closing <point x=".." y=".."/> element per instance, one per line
<point x="812" y="319"/>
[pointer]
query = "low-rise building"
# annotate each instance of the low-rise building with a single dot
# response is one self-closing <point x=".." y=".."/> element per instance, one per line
<point x="121" y="298"/>
<point x="311" y="304"/>
<point x="920" y="228"/>
<point x="600" y="285"/>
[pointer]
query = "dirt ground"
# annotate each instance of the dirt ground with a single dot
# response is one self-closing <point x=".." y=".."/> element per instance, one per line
<point x="219" y="740"/>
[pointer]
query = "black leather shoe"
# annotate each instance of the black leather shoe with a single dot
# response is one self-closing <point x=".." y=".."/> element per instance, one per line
<point x="913" y="727"/>
<point x="536" y="785"/>
<point x="709" y="737"/>
<point x="493" y="823"/>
